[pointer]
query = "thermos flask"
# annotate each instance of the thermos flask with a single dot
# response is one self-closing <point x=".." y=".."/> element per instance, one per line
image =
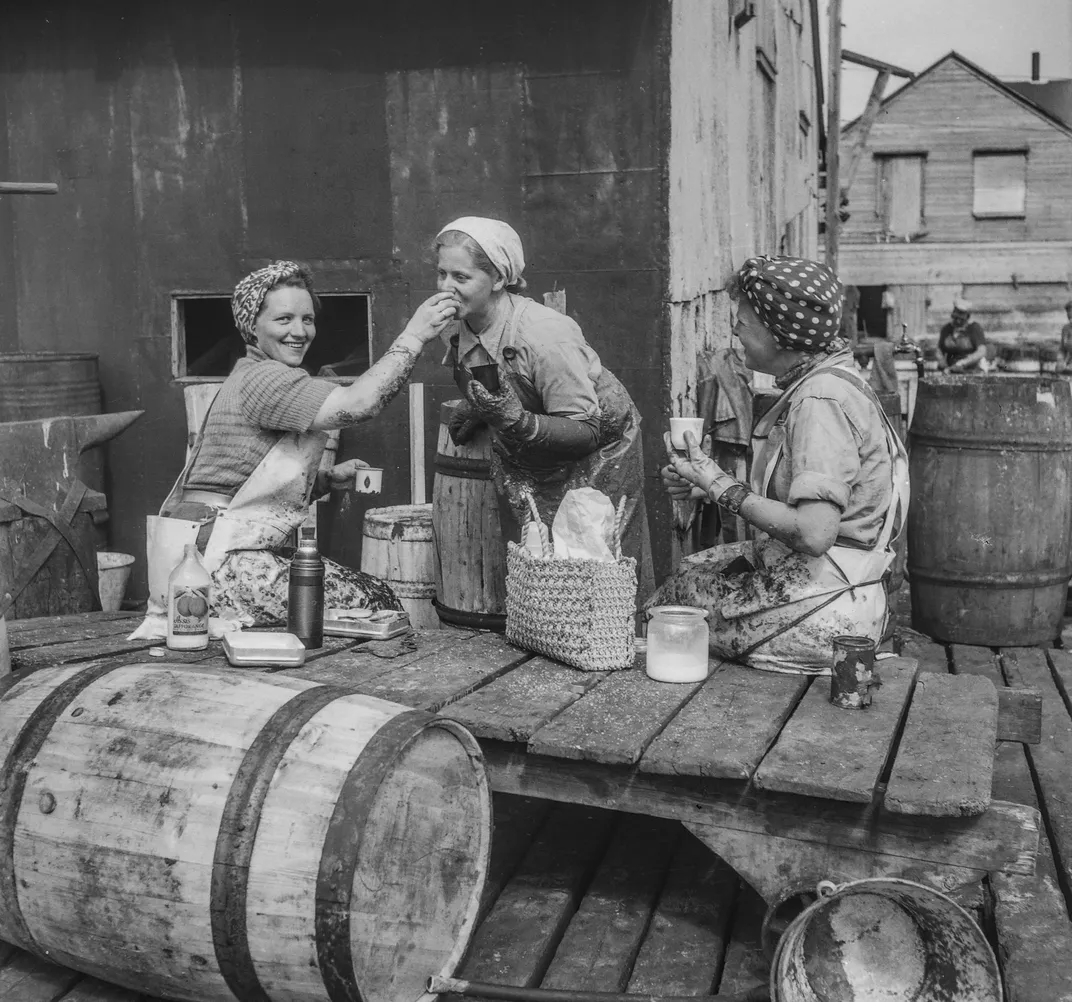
<point x="305" y="604"/>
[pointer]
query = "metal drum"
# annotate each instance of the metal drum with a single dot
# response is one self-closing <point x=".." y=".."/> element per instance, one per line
<point x="884" y="940"/>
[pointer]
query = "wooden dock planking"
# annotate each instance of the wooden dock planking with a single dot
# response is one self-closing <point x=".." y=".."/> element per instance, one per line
<point x="70" y="652"/>
<point x="1034" y="939"/>
<point x="749" y="707"/>
<point x="931" y="656"/>
<point x="517" y="819"/>
<point x="515" y="943"/>
<point x="639" y="706"/>
<point x="945" y="759"/>
<point x="363" y="662"/>
<point x="812" y="758"/>
<point x="436" y="680"/>
<point x="516" y="705"/>
<point x="28" y="979"/>
<point x="684" y="949"/>
<point x="604" y="936"/>
<point x="746" y="966"/>
<point x="50" y="632"/>
<point x="92" y="990"/>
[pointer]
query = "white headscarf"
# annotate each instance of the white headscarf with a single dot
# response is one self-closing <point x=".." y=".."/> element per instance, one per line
<point x="498" y="240"/>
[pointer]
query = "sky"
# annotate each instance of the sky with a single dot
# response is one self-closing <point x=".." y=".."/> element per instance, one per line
<point x="998" y="35"/>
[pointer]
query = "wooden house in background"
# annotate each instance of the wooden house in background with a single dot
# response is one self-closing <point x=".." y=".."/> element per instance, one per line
<point x="642" y="148"/>
<point x="964" y="189"/>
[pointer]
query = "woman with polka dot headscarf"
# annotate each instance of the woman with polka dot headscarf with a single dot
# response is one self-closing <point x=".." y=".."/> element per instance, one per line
<point x="828" y="492"/>
<point x="257" y="462"/>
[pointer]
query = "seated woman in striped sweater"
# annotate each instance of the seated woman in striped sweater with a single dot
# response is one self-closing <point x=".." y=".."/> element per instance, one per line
<point x="256" y="465"/>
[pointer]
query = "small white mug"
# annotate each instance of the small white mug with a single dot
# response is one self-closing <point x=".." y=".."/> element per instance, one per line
<point x="368" y="481"/>
<point x="680" y="425"/>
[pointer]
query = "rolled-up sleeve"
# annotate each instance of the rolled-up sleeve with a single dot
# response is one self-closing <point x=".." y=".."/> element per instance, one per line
<point x="280" y="398"/>
<point x="560" y="371"/>
<point x="825" y="452"/>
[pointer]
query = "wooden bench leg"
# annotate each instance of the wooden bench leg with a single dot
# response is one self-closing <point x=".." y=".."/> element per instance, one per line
<point x="779" y="868"/>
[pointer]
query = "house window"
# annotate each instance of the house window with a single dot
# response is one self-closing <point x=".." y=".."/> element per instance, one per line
<point x="1000" y="184"/>
<point x="899" y="193"/>
<point x="206" y="344"/>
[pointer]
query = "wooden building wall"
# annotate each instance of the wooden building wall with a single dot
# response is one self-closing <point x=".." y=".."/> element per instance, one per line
<point x="194" y="142"/>
<point x="946" y="116"/>
<point x="742" y="163"/>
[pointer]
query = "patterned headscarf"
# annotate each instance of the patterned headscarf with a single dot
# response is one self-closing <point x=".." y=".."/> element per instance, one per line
<point x="798" y="301"/>
<point x="250" y="292"/>
<point x="498" y="240"/>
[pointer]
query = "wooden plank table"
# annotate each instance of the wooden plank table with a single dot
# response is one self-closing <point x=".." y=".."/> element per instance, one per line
<point x="761" y="767"/>
<point x="747" y="761"/>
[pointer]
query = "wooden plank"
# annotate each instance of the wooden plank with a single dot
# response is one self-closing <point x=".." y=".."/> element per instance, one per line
<point x="517" y="940"/>
<point x="434" y="680"/>
<point x="16" y="627"/>
<point x="516" y="821"/>
<point x="1051" y="758"/>
<point x="28" y="979"/>
<point x="683" y="951"/>
<point x="1019" y="707"/>
<point x="602" y="940"/>
<point x="930" y="655"/>
<point x="32" y="658"/>
<point x="1035" y="939"/>
<point x="945" y="760"/>
<point x="747" y="967"/>
<point x="824" y="751"/>
<point x="615" y="722"/>
<point x="1004" y="838"/>
<point x="727" y="727"/>
<point x="516" y="705"/>
<point x="363" y="663"/>
<point x="1012" y="773"/>
<point x="66" y="633"/>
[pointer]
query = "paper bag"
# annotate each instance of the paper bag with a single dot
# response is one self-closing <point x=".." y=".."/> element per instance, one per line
<point x="583" y="528"/>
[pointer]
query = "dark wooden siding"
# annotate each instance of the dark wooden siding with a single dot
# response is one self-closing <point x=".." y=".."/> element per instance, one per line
<point x="947" y="115"/>
<point x="193" y="143"/>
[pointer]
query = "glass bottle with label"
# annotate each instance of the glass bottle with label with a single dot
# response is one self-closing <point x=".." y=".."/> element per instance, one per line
<point x="188" y="603"/>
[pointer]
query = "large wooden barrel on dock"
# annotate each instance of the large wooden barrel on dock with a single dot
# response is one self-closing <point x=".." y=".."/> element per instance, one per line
<point x="990" y="521"/>
<point x="470" y="561"/>
<point x="397" y="547"/>
<point x="212" y="835"/>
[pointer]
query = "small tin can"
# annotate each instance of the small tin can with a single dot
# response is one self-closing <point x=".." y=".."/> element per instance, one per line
<point x="852" y="674"/>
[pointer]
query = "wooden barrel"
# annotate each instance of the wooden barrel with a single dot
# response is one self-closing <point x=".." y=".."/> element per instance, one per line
<point x="40" y="384"/>
<point x="470" y="552"/>
<point x="213" y="835"/>
<point x="396" y="545"/>
<point x="990" y="522"/>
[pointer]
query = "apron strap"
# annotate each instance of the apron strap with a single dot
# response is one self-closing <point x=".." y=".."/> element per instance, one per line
<point x="180" y="481"/>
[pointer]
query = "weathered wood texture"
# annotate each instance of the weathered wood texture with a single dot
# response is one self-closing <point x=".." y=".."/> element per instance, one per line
<point x="947" y="114"/>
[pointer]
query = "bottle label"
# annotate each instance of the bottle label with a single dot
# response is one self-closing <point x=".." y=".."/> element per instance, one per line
<point x="190" y="613"/>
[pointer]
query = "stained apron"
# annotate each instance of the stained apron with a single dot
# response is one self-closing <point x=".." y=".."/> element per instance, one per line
<point x="249" y="579"/>
<point x="779" y="610"/>
<point x="615" y="467"/>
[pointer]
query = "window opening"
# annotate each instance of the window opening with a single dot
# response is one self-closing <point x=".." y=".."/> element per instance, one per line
<point x="206" y="344"/>
<point x="999" y="184"/>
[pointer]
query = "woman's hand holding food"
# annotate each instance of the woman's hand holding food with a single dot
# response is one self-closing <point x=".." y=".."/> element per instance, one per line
<point x="693" y="473"/>
<point x="431" y="317"/>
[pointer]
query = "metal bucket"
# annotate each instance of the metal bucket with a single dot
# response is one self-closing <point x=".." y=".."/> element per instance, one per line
<point x="884" y="941"/>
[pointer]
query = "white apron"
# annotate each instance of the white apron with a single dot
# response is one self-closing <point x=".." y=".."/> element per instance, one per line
<point x="266" y="509"/>
<point x="788" y="623"/>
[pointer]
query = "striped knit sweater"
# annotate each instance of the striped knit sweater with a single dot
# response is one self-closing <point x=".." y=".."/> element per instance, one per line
<point x="260" y="399"/>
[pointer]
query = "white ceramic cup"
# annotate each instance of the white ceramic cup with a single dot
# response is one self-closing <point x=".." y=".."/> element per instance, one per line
<point x="680" y="425"/>
<point x="368" y="481"/>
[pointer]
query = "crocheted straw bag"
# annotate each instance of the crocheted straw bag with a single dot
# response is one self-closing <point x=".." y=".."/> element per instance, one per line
<point x="579" y="612"/>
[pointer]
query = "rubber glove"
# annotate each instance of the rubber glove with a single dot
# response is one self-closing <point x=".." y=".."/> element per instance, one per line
<point x="699" y="470"/>
<point x="464" y="424"/>
<point x="502" y="410"/>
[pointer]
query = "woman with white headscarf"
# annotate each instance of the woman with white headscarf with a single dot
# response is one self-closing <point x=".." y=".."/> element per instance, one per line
<point x="256" y="464"/>
<point x="559" y="419"/>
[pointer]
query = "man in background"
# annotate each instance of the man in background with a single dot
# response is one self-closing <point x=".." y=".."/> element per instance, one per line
<point x="962" y="341"/>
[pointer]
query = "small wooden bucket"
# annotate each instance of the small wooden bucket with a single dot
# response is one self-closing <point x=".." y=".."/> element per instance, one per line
<point x="214" y="835"/>
<point x="470" y="552"/>
<point x="396" y="546"/>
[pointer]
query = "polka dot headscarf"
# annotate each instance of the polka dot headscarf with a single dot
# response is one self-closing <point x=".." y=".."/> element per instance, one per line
<point x="250" y="292"/>
<point x="799" y="301"/>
